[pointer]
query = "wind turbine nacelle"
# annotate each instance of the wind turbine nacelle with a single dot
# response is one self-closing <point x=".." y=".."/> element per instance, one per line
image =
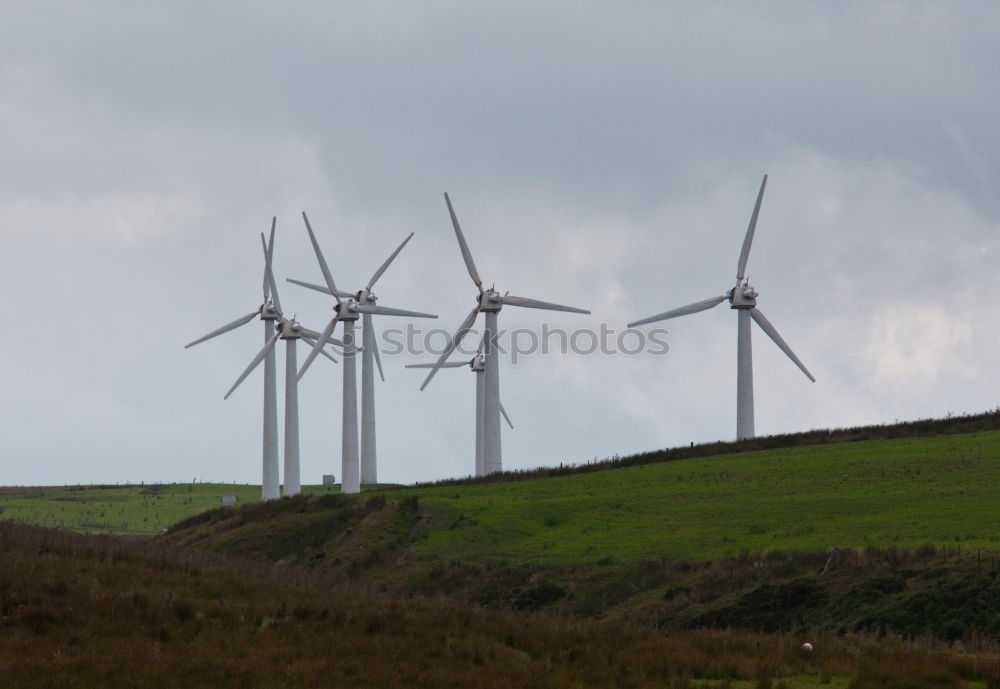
<point x="348" y="310"/>
<point x="479" y="363"/>
<point x="490" y="300"/>
<point x="268" y="312"/>
<point x="743" y="297"/>
<point x="290" y="330"/>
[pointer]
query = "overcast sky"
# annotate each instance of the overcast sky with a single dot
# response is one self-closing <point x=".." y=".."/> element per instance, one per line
<point x="603" y="155"/>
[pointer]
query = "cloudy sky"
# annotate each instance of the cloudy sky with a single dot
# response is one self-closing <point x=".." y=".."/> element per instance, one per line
<point x="605" y="155"/>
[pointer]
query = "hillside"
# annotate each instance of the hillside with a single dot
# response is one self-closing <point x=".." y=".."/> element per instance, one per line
<point x="79" y="611"/>
<point x="148" y="509"/>
<point x="903" y="493"/>
<point x="128" y="509"/>
<point x="848" y="535"/>
<point x="850" y="529"/>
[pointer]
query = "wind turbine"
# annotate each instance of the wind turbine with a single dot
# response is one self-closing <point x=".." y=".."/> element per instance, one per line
<point x="743" y="298"/>
<point x="489" y="302"/>
<point x="270" y="313"/>
<point x="291" y="331"/>
<point x="477" y="365"/>
<point x="349" y="306"/>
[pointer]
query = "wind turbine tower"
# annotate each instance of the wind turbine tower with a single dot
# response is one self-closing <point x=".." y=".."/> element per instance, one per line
<point x="291" y="331"/>
<point x="350" y="306"/>
<point x="275" y="326"/>
<point x="478" y="366"/>
<point x="489" y="302"/>
<point x="268" y="314"/>
<point x="743" y="298"/>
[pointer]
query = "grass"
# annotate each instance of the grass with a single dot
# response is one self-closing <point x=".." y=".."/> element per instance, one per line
<point x="702" y="547"/>
<point x="368" y="545"/>
<point x="903" y="493"/>
<point x="278" y="593"/>
<point x="122" y="509"/>
<point x="85" y="611"/>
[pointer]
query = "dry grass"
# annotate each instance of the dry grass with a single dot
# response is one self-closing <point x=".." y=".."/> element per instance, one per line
<point x="78" y="611"/>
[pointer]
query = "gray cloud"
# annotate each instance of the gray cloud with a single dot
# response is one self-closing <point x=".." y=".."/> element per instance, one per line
<point x="596" y="155"/>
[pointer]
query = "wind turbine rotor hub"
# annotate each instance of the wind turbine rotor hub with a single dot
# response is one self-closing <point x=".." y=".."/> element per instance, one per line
<point x="268" y="312"/>
<point x="348" y="310"/>
<point x="743" y="296"/>
<point x="490" y="300"/>
<point x="290" y="330"/>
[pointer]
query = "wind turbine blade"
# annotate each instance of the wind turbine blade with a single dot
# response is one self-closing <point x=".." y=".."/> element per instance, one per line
<point x="748" y="240"/>
<point x="378" y="361"/>
<point x="766" y="326"/>
<point x="268" y="346"/>
<point x="267" y="283"/>
<point x="466" y="254"/>
<point x="313" y="335"/>
<point x="320" y="343"/>
<point x="504" y="412"/>
<point x="318" y="288"/>
<point x="536" y="304"/>
<point x="389" y="311"/>
<point x="322" y="261"/>
<point x="268" y="273"/>
<point x="447" y="364"/>
<point x="225" y="329"/>
<point x="270" y="267"/>
<point x="312" y="341"/>
<point x="682" y="311"/>
<point x="378" y="273"/>
<point x="455" y="340"/>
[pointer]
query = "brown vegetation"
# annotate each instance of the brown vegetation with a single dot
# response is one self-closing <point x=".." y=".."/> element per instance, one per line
<point x="83" y="611"/>
<point x="366" y="545"/>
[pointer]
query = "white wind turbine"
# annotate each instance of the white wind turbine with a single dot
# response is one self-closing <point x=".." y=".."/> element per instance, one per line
<point x="743" y="298"/>
<point x="275" y="326"/>
<point x="349" y="306"/>
<point x="477" y="365"/>
<point x="289" y="330"/>
<point x="489" y="302"/>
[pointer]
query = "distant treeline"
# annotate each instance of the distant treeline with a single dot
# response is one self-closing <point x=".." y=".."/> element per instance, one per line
<point x="951" y="424"/>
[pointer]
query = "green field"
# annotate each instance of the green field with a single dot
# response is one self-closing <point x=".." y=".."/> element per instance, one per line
<point x="939" y="490"/>
<point x="812" y="541"/>
<point x="122" y="509"/>
<point x="904" y="493"/>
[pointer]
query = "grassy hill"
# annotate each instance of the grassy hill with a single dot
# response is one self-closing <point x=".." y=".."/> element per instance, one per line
<point x="78" y="611"/>
<point x="373" y="546"/>
<point x="129" y="509"/>
<point x="850" y="536"/>
<point x="849" y="529"/>
<point x="903" y="493"/>
<point x="906" y="485"/>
